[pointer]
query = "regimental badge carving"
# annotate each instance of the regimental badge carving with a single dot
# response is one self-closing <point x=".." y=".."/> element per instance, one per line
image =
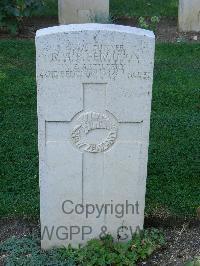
<point x="90" y="121"/>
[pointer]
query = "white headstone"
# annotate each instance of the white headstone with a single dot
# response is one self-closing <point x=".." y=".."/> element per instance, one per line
<point x="94" y="86"/>
<point x="189" y="15"/>
<point x="79" y="11"/>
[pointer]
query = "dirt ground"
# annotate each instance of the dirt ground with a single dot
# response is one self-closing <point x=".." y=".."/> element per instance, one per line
<point x="167" y="30"/>
<point x="182" y="240"/>
<point x="182" y="244"/>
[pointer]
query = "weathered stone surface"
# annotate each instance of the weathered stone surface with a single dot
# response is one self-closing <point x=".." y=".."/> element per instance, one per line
<point x="94" y="87"/>
<point x="79" y="11"/>
<point x="189" y="15"/>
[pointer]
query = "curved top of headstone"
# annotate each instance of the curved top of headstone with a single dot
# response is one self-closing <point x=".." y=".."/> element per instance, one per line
<point x="93" y="27"/>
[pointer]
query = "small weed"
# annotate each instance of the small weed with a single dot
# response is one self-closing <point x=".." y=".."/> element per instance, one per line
<point x="151" y="25"/>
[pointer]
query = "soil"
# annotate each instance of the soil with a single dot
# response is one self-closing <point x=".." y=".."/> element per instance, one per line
<point x="182" y="244"/>
<point x="182" y="240"/>
<point x="167" y="30"/>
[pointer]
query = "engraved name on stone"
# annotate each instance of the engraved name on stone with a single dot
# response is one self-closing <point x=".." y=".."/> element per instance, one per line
<point x="92" y="60"/>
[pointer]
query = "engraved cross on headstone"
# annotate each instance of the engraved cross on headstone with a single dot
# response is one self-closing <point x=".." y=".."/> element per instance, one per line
<point x="91" y="132"/>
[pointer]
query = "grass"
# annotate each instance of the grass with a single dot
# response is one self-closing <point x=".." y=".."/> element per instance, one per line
<point x="173" y="173"/>
<point x="134" y="8"/>
<point x="129" y="8"/>
<point x="18" y="126"/>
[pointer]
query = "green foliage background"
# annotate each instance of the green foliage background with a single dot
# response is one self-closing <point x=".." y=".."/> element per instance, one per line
<point x="13" y="12"/>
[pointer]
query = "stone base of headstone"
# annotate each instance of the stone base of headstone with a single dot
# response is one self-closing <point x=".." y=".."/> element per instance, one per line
<point x="189" y="15"/>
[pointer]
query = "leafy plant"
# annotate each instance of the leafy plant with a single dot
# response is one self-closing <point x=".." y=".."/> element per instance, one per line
<point x="149" y="25"/>
<point x="107" y="252"/>
<point x="97" y="252"/>
<point x="13" y="12"/>
<point x="195" y="262"/>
